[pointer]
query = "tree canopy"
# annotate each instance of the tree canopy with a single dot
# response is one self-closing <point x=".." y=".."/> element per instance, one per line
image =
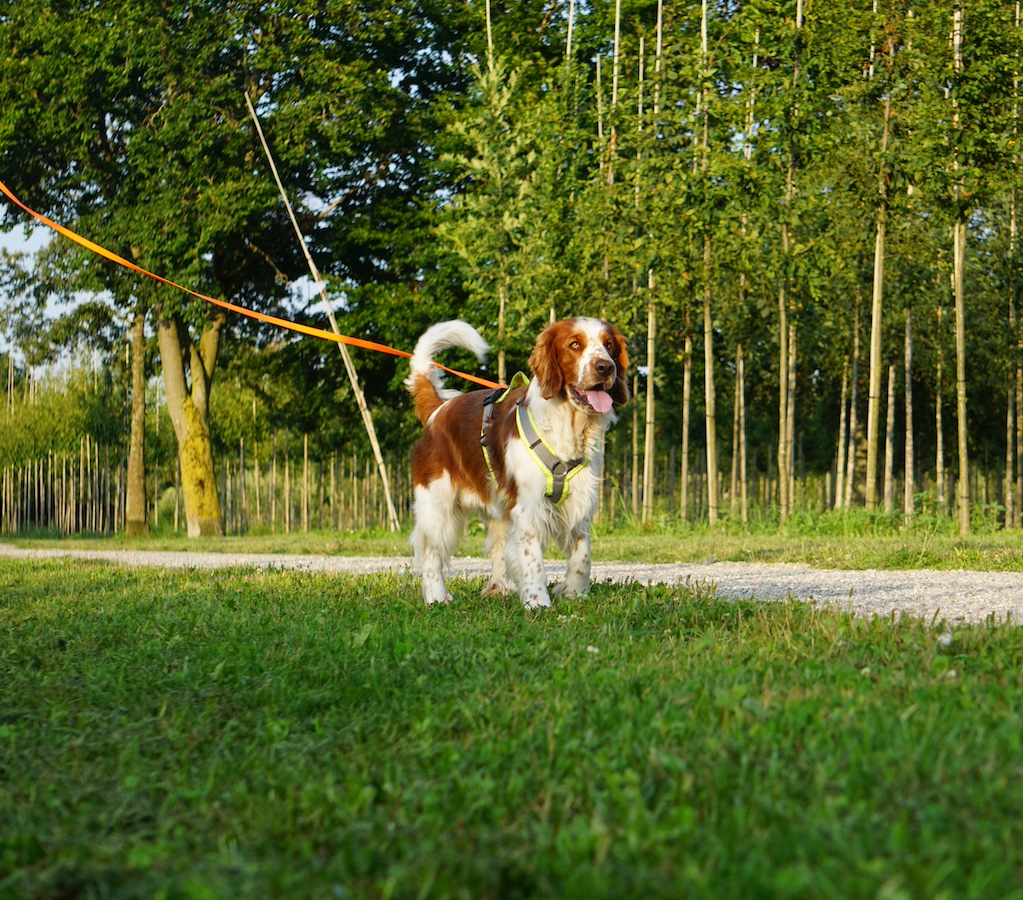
<point x="564" y="163"/>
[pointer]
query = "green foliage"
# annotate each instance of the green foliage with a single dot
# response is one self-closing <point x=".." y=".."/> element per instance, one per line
<point x="250" y="734"/>
<point x="59" y="418"/>
<point x="429" y="184"/>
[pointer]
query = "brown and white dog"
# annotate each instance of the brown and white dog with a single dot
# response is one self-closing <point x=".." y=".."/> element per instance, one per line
<point x="526" y="460"/>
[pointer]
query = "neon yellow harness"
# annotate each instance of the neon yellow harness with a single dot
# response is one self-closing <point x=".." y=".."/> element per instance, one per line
<point x="557" y="471"/>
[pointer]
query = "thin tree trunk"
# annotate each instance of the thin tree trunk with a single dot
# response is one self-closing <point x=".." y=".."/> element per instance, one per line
<point x="1013" y="510"/>
<point x="850" y="471"/>
<point x="743" y="470"/>
<point x="1019" y="442"/>
<point x="889" y="445"/>
<point x="687" y="394"/>
<point x="1010" y="462"/>
<point x="783" y="384"/>
<point x="710" y="398"/>
<point x="305" y="483"/>
<point x="502" y="300"/>
<point x="909" y="489"/>
<point x="790" y="417"/>
<point x="785" y="455"/>
<point x="958" y="278"/>
<point x="648" y="438"/>
<point x="733" y="484"/>
<point x="272" y="501"/>
<point x="136" y="510"/>
<point x="874" y="376"/>
<point x="843" y="428"/>
<point x="635" y="451"/>
<point x="963" y="490"/>
<point x="877" y="295"/>
<point x="939" y="428"/>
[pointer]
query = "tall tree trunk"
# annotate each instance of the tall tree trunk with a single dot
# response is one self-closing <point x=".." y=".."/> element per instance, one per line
<point x="939" y="428"/>
<point x="635" y="450"/>
<point x="790" y="421"/>
<point x="785" y="454"/>
<point x="877" y="292"/>
<point x="687" y="395"/>
<point x="963" y="486"/>
<point x="909" y="489"/>
<point x="1019" y="442"/>
<point x="874" y="376"/>
<point x="648" y="436"/>
<point x="783" y="381"/>
<point x="651" y="329"/>
<point x="1010" y="462"/>
<point x="135" y="507"/>
<point x="843" y="428"/>
<point x="889" y="445"/>
<point x="850" y="471"/>
<point x="708" y="320"/>
<point x="1013" y="513"/>
<point x="958" y="279"/>
<point x="710" y="398"/>
<point x="741" y="388"/>
<point x="188" y="405"/>
<point x="502" y="300"/>
<point x="733" y="484"/>
<point x="1011" y="510"/>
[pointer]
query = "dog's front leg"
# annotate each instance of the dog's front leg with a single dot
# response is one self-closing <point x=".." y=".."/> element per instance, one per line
<point x="524" y="556"/>
<point x="577" y="574"/>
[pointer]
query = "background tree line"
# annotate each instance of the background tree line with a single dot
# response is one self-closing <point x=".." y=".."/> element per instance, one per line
<point x="803" y="214"/>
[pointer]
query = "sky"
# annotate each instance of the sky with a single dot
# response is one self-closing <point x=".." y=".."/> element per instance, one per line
<point x="16" y="241"/>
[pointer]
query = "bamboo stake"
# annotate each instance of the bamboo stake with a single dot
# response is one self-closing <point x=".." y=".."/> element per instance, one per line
<point x="346" y="356"/>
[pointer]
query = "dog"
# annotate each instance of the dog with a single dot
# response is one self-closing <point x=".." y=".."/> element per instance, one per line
<point x="526" y="459"/>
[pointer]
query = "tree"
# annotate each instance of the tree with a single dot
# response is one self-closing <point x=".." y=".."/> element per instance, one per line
<point x="127" y="122"/>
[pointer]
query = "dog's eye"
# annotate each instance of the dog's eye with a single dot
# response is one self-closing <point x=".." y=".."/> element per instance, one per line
<point x="575" y="345"/>
<point x="609" y="347"/>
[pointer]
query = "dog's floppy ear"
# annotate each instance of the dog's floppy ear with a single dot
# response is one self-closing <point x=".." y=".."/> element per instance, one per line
<point x="543" y="362"/>
<point x="620" y="389"/>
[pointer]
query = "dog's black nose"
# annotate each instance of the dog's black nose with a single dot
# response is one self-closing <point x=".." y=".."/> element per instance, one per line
<point x="605" y="367"/>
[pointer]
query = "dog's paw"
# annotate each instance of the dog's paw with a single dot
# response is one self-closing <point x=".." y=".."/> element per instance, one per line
<point x="498" y="588"/>
<point x="570" y="592"/>
<point x="448" y="598"/>
<point x="536" y="601"/>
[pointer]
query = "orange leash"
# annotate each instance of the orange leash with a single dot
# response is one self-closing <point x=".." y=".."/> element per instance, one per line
<point x="241" y="310"/>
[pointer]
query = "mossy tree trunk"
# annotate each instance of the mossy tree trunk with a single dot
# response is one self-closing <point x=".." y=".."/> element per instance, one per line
<point x="135" y="508"/>
<point x="188" y="374"/>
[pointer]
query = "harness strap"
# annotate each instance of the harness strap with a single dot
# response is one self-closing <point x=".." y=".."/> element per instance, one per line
<point x="558" y="471"/>
<point x="518" y="380"/>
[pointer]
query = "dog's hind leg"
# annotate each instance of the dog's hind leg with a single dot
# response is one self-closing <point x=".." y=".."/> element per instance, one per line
<point x="436" y="536"/>
<point x="497" y="535"/>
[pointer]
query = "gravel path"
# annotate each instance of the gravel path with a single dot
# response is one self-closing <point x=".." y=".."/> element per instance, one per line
<point x="958" y="596"/>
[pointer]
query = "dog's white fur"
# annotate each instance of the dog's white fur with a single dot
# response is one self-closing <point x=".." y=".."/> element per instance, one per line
<point x="573" y="362"/>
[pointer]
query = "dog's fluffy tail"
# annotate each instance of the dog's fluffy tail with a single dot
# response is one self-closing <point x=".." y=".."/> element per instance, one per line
<point x="426" y="381"/>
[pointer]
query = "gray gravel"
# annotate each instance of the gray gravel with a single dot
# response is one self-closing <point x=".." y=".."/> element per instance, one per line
<point x="959" y="596"/>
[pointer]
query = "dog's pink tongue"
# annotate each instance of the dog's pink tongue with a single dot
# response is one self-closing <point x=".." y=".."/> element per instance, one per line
<point x="599" y="400"/>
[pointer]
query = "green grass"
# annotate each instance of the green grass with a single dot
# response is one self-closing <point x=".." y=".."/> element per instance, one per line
<point x="273" y="734"/>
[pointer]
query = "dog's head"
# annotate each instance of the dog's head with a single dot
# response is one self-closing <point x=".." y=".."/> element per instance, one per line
<point x="584" y="359"/>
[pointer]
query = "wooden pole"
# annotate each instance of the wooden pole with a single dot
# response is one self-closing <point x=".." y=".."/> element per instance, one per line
<point x="346" y="357"/>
